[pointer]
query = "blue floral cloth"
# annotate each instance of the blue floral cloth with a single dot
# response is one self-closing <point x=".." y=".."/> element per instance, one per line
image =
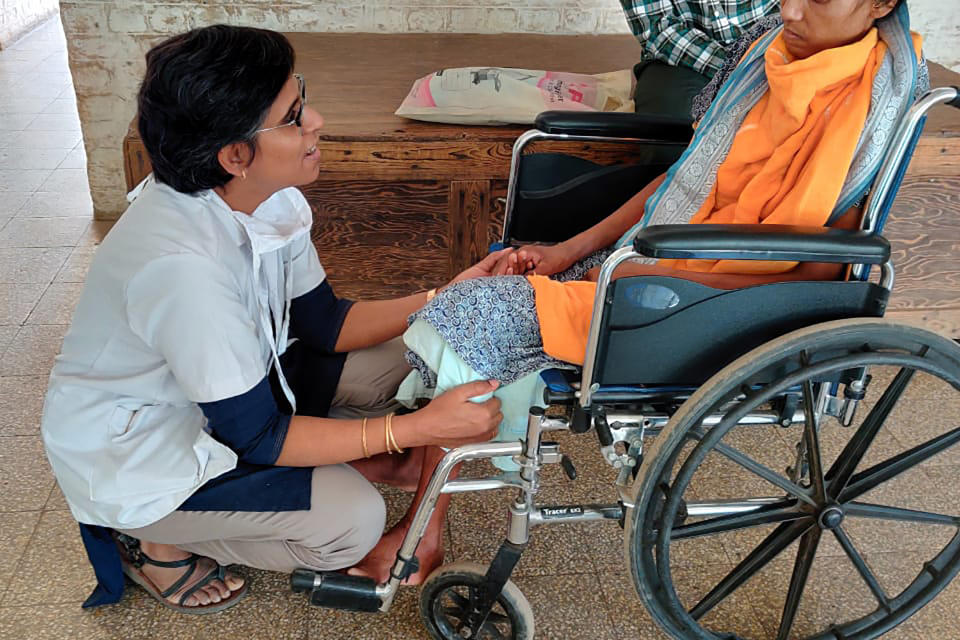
<point x="491" y="323"/>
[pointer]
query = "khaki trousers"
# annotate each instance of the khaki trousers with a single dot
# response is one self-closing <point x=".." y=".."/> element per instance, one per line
<point x="346" y="516"/>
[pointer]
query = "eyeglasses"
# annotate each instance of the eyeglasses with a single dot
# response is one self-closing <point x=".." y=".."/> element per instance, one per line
<point x="298" y="118"/>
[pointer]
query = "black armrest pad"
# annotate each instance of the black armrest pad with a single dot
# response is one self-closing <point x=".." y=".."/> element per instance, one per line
<point x="956" y="101"/>
<point x="616" y="125"/>
<point x="761" y="242"/>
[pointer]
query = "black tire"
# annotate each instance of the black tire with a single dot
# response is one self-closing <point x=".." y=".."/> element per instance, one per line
<point x="448" y="590"/>
<point x="829" y="503"/>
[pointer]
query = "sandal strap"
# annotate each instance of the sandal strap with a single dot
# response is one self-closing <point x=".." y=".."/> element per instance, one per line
<point x="176" y="586"/>
<point x="219" y="573"/>
<point x="190" y="560"/>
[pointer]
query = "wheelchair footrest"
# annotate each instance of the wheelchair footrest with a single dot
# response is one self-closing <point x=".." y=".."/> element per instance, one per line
<point x="336" y="590"/>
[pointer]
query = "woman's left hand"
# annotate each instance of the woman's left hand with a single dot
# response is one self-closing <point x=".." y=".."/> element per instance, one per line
<point x="483" y="268"/>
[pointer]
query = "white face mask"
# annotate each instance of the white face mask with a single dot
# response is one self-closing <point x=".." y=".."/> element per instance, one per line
<point x="276" y="222"/>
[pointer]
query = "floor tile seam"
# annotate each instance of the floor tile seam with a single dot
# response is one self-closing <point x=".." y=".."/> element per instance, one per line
<point x="3" y="352"/>
<point x="60" y="165"/>
<point x="20" y="561"/>
<point x="26" y="320"/>
<point x="32" y="246"/>
<point x="16" y="212"/>
<point x="33" y="32"/>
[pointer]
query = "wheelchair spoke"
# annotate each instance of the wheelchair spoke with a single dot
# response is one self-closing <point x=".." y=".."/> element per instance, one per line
<point x="459" y="600"/>
<point x="490" y="631"/>
<point x="779" y="512"/>
<point x="811" y="435"/>
<point x="862" y="567"/>
<point x="497" y="618"/>
<point x="892" y="467"/>
<point x="806" y="552"/>
<point x="881" y="512"/>
<point x="846" y="463"/>
<point x="765" y="472"/>
<point x="772" y="545"/>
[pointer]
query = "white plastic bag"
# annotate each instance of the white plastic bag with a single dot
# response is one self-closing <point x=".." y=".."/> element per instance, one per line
<point x="497" y="95"/>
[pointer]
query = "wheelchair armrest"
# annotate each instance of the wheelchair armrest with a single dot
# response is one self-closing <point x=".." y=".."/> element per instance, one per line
<point x="761" y="242"/>
<point x="616" y="125"/>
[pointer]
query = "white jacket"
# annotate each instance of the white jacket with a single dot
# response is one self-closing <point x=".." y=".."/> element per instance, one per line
<point x="186" y="301"/>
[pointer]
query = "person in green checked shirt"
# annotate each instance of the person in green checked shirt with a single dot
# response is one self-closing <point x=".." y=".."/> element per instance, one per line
<point x="684" y="44"/>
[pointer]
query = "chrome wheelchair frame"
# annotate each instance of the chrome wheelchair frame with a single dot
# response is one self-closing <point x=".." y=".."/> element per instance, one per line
<point x="623" y="431"/>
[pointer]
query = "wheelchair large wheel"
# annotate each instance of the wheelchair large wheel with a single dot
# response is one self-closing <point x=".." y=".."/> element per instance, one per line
<point x="448" y="593"/>
<point x="846" y="512"/>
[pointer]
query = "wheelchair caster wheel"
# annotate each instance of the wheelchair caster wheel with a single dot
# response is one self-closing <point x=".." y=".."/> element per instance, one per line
<point x="448" y="594"/>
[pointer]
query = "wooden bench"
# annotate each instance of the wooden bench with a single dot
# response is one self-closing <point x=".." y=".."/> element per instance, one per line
<point x="403" y="205"/>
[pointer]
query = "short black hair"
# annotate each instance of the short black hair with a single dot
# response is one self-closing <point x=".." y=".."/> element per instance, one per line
<point x="203" y="90"/>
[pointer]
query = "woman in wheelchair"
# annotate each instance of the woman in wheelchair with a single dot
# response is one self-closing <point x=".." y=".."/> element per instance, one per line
<point x="812" y="115"/>
<point x="794" y="136"/>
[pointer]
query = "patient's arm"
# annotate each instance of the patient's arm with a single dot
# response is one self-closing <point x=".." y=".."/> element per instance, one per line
<point x="548" y="260"/>
<point x="804" y="271"/>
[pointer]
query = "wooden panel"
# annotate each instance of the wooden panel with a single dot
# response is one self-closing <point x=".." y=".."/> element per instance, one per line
<point x="358" y="80"/>
<point x="924" y="229"/>
<point x="136" y="163"/>
<point x="420" y="160"/>
<point x="469" y="215"/>
<point x="381" y="240"/>
<point x="498" y="206"/>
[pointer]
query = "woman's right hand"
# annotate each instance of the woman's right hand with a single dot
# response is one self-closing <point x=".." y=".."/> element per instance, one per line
<point x="539" y="259"/>
<point x="452" y="419"/>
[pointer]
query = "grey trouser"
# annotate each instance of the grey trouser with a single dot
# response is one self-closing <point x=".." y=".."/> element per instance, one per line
<point x="346" y="515"/>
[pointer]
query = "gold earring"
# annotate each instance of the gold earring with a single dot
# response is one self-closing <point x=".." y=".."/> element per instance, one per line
<point x="243" y="174"/>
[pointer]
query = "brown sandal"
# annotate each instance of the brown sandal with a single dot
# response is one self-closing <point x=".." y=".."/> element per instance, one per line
<point x="134" y="558"/>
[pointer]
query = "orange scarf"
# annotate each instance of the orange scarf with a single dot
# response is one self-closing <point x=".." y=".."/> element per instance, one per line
<point x="791" y="155"/>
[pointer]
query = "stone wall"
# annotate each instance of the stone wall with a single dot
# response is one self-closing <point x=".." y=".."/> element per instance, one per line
<point x="19" y="16"/>
<point x="107" y="40"/>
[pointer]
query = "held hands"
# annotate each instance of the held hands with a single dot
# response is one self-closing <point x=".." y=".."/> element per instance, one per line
<point x="483" y="268"/>
<point x="544" y="260"/>
<point x="452" y="419"/>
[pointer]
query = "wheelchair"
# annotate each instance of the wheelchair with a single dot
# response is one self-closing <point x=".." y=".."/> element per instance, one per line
<point x="750" y="421"/>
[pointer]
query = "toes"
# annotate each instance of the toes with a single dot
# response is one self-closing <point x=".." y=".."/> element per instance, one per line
<point x="234" y="581"/>
<point x="212" y="593"/>
<point x="222" y="589"/>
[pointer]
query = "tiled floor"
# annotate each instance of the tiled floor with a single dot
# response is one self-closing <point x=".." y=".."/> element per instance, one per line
<point x="574" y="577"/>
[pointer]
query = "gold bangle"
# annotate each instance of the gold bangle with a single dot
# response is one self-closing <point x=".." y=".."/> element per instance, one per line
<point x="363" y="438"/>
<point x="386" y="436"/>
<point x="431" y="294"/>
<point x="393" y="440"/>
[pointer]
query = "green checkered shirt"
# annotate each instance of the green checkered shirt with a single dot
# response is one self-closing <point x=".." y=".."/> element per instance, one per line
<point x="693" y="33"/>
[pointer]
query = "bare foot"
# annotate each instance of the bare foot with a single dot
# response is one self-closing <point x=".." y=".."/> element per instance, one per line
<point x="164" y="577"/>
<point x="380" y="560"/>
<point x="401" y="471"/>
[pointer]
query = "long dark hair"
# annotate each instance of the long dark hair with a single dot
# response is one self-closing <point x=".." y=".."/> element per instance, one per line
<point x="203" y="90"/>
